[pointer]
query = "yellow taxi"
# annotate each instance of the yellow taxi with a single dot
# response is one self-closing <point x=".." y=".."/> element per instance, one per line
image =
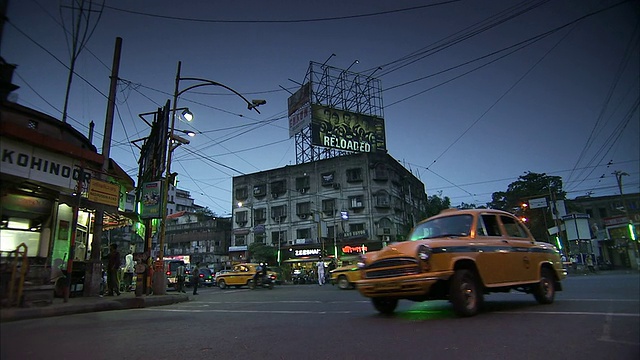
<point x="345" y="276"/>
<point x="461" y="255"/>
<point x="240" y="275"/>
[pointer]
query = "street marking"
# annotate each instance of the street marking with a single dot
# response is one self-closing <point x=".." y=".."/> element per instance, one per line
<point x="569" y="313"/>
<point x="248" y="311"/>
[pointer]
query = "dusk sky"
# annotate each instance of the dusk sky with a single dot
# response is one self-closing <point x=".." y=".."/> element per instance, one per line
<point x="475" y="93"/>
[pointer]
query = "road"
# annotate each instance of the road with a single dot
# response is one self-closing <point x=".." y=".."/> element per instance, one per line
<point x="596" y="317"/>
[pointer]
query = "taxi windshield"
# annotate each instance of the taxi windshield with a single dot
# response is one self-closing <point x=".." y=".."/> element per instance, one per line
<point x="449" y="226"/>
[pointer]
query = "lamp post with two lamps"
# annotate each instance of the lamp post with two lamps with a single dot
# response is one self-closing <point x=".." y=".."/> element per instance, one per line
<point x="159" y="286"/>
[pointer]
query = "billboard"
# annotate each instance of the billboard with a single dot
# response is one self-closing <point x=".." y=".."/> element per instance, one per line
<point x="151" y="200"/>
<point x="345" y="130"/>
<point x="299" y="106"/>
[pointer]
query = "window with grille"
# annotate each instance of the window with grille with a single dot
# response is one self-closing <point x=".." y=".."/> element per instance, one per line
<point x="356" y="202"/>
<point x="242" y="193"/>
<point x="260" y="190"/>
<point x="354" y="175"/>
<point x="329" y="206"/>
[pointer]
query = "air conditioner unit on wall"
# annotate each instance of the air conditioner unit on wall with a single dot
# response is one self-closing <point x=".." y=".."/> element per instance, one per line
<point x="303" y="216"/>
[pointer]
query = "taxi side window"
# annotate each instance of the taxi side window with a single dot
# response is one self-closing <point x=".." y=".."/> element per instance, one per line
<point x="514" y="229"/>
<point x="488" y="226"/>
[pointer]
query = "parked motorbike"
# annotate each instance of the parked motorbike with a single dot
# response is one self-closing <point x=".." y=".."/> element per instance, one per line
<point x="263" y="281"/>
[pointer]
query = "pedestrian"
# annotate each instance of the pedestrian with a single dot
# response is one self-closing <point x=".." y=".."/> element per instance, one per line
<point x="590" y="263"/>
<point x="195" y="278"/>
<point x="320" y="266"/>
<point x="574" y="262"/>
<point x="180" y="277"/>
<point x="113" y="266"/>
<point x="129" y="266"/>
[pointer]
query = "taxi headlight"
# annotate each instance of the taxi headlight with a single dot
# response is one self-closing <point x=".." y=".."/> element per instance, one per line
<point x="424" y="253"/>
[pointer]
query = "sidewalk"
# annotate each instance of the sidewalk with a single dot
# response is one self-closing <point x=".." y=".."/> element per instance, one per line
<point x="78" y="305"/>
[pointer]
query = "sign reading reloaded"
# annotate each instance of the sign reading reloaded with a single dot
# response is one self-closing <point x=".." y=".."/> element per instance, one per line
<point x="104" y="193"/>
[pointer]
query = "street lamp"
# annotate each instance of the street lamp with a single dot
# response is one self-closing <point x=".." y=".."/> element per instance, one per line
<point x="160" y="279"/>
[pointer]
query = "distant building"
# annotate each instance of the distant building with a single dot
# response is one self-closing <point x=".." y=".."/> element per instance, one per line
<point x="609" y="219"/>
<point x="337" y="207"/>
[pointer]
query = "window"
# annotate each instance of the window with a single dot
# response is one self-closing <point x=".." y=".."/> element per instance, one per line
<point x="279" y="237"/>
<point x="356" y="202"/>
<point x="241" y="193"/>
<point x="303" y="209"/>
<point x="385" y="226"/>
<point x="332" y="231"/>
<point x="241" y="240"/>
<point x="278" y="188"/>
<point x="514" y="228"/>
<point x="260" y="215"/>
<point x="329" y="206"/>
<point x="241" y="217"/>
<point x="302" y="184"/>
<point x="261" y="239"/>
<point x="380" y="172"/>
<point x="488" y="226"/>
<point x="382" y="199"/>
<point x="327" y="179"/>
<point x="260" y="190"/>
<point x="354" y="175"/>
<point x="303" y="234"/>
<point x="356" y="227"/>
<point x="279" y="212"/>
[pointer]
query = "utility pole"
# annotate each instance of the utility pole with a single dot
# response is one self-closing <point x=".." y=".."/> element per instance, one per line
<point x="619" y="174"/>
<point x="93" y="274"/>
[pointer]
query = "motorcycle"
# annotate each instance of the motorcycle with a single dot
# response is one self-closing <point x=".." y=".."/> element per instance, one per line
<point x="263" y="281"/>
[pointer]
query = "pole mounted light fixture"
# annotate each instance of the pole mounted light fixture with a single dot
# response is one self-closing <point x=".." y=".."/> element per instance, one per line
<point x="159" y="275"/>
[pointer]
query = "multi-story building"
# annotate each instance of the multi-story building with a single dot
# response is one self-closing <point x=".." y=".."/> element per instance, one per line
<point x="612" y="220"/>
<point x="339" y="207"/>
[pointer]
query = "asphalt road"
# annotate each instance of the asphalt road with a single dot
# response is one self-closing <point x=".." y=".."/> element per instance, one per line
<point x="596" y="317"/>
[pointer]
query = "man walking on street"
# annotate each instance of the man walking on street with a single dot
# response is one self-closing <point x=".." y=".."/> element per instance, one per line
<point x="195" y="278"/>
<point x="113" y="267"/>
<point x="320" y="266"/>
<point x="180" y="273"/>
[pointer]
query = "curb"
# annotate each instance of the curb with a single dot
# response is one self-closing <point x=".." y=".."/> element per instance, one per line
<point x="15" y="314"/>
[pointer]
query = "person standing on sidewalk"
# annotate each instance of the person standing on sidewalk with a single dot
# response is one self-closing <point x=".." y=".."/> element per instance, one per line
<point x="180" y="274"/>
<point x="113" y="267"/>
<point x="195" y="278"/>
<point x="320" y="266"/>
<point x="128" y="271"/>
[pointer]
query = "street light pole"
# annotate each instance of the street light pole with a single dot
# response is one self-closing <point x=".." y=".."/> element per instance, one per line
<point x="160" y="280"/>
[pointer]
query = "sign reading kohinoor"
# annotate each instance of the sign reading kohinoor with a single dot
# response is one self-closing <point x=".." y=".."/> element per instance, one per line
<point x="344" y="130"/>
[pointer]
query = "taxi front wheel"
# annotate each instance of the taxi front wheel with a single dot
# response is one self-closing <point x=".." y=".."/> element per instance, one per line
<point x="385" y="305"/>
<point x="544" y="291"/>
<point x="464" y="293"/>
<point x="222" y="284"/>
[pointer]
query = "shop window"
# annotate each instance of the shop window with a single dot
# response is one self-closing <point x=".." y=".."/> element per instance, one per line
<point x="354" y="175"/>
<point x="302" y="184"/>
<point x="260" y="190"/>
<point x="242" y="193"/>
<point x="356" y="202"/>
<point x="278" y="188"/>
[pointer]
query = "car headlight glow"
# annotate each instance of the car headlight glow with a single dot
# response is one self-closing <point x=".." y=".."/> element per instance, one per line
<point x="361" y="262"/>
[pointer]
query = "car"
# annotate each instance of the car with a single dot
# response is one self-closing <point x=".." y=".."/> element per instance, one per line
<point x="205" y="275"/>
<point x="220" y="272"/>
<point x="459" y="256"/>
<point x="345" y="276"/>
<point x="240" y="275"/>
<point x="171" y="270"/>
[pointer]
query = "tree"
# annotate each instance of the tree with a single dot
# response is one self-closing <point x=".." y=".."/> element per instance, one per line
<point x="527" y="187"/>
<point x="435" y="204"/>
<point x="262" y="253"/>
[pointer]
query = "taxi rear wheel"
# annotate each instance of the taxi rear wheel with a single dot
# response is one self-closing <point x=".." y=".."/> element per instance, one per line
<point x="545" y="292"/>
<point x="385" y="305"/>
<point x="464" y="293"/>
<point x="222" y="284"/>
<point x="343" y="282"/>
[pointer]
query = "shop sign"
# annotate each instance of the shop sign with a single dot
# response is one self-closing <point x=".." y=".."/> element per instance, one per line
<point x="259" y="229"/>
<point x="40" y="165"/>
<point x="104" y="193"/>
<point x="354" y="234"/>
<point x="238" y="248"/>
<point x="306" y="252"/>
<point x="354" y="249"/>
<point x="240" y="231"/>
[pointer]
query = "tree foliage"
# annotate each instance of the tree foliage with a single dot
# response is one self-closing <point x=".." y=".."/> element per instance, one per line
<point x="531" y="186"/>
<point x="262" y="253"/>
<point x="435" y="204"/>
